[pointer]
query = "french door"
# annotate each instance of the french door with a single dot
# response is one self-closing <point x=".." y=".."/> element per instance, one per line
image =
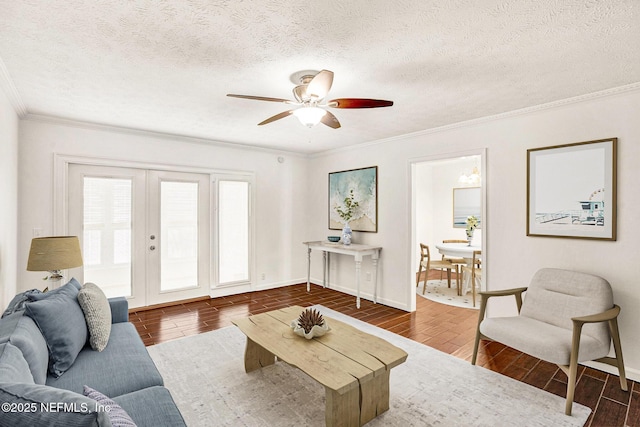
<point x="145" y="234"/>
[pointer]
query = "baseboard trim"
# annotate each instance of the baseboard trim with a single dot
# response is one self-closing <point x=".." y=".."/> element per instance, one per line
<point x="225" y="291"/>
<point x="363" y="295"/>
<point x="168" y="304"/>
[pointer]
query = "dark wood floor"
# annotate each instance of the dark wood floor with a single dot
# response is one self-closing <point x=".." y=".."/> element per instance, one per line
<point x="446" y="328"/>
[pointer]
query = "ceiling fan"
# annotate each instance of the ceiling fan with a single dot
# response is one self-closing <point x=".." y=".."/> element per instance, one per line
<point x="309" y="93"/>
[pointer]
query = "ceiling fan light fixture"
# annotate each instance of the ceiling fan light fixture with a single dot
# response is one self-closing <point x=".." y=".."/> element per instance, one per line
<point x="309" y="116"/>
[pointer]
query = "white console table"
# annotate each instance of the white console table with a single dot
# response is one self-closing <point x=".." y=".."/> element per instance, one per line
<point x="354" y="250"/>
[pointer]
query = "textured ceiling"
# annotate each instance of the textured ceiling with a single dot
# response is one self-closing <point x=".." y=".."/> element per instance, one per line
<point x="166" y="66"/>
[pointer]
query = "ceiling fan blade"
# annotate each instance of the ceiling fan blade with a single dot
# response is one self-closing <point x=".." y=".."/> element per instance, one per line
<point x="330" y="120"/>
<point x="319" y="86"/>
<point x="276" y="117"/>
<point x="261" y="98"/>
<point x="358" y="103"/>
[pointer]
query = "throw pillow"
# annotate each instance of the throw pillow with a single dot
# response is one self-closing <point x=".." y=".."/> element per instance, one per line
<point x="97" y="313"/>
<point x="61" y="321"/>
<point x="117" y="415"/>
<point x="43" y="295"/>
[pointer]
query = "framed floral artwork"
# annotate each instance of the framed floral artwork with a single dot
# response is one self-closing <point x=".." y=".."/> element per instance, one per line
<point x="353" y="198"/>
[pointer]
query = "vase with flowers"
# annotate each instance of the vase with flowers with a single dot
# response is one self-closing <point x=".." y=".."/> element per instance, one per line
<point x="472" y="224"/>
<point x="347" y="213"/>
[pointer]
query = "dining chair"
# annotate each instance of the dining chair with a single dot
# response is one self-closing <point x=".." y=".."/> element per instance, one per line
<point x="474" y="273"/>
<point x="567" y="317"/>
<point x="428" y="264"/>
<point x="458" y="262"/>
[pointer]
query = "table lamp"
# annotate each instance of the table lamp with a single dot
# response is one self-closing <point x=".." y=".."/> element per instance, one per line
<point x="53" y="254"/>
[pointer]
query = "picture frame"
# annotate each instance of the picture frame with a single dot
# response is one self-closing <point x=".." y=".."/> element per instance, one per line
<point x="467" y="201"/>
<point x="364" y="184"/>
<point x="572" y="190"/>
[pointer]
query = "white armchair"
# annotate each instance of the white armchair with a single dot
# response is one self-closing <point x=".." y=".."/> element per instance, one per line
<point x="567" y="317"/>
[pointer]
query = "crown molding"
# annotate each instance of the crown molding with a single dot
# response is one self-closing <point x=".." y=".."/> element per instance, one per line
<point x="42" y="118"/>
<point x="633" y="87"/>
<point x="6" y="83"/>
<point x="23" y="114"/>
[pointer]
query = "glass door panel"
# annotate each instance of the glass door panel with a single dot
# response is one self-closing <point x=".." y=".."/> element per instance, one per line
<point x="106" y="210"/>
<point x="178" y="241"/>
<point x="179" y="235"/>
<point x="106" y="236"/>
<point x="233" y="231"/>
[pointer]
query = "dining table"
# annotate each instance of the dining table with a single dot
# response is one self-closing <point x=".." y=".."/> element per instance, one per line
<point x="460" y="250"/>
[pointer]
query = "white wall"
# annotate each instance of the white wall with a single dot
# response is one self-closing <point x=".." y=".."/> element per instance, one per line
<point x="511" y="257"/>
<point x="280" y="187"/>
<point x="9" y="197"/>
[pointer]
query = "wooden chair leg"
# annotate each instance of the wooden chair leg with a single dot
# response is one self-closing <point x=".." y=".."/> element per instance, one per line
<point x="448" y="277"/>
<point x="419" y="273"/>
<point x="473" y="288"/>
<point x="424" y="283"/>
<point x="615" y="337"/>
<point x="571" y="387"/>
<point x="476" y="344"/>
<point x="573" y="367"/>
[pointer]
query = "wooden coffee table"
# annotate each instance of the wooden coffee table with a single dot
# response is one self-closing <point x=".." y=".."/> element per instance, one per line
<point x="353" y="366"/>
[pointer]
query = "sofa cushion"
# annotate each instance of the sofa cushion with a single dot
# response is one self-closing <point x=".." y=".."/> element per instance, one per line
<point x="65" y="408"/>
<point x="97" y="314"/>
<point x="540" y="339"/>
<point x="117" y="415"/>
<point x="17" y="303"/>
<point x="554" y="296"/>
<point x="61" y="321"/>
<point x="13" y="366"/>
<point x="152" y="407"/>
<point x="22" y="332"/>
<point x="122" y="367"/>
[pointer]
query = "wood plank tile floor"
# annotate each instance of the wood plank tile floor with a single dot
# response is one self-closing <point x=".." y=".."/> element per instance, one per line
<point x="446" y="328"/>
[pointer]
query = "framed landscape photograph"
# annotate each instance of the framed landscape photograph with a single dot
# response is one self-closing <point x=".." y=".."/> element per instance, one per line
<point x="571" y="190"/>
<point x="350" y="187"/>
<point x="466" y="202"/>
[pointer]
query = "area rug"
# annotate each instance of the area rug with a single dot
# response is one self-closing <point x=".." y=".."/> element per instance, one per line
<point x="205" y="374"/>
<point x="438" y="291"/>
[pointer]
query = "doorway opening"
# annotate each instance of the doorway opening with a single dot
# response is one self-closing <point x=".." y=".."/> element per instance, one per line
<point x="446" y="191"/>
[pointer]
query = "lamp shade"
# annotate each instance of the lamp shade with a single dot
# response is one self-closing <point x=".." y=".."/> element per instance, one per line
<point x="54" y="253"/>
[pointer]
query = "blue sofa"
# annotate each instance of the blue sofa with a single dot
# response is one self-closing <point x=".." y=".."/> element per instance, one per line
<point x="124" y="372"/>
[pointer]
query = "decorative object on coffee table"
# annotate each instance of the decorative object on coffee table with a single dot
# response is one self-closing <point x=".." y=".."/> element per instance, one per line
<point x="310" y="324"/>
